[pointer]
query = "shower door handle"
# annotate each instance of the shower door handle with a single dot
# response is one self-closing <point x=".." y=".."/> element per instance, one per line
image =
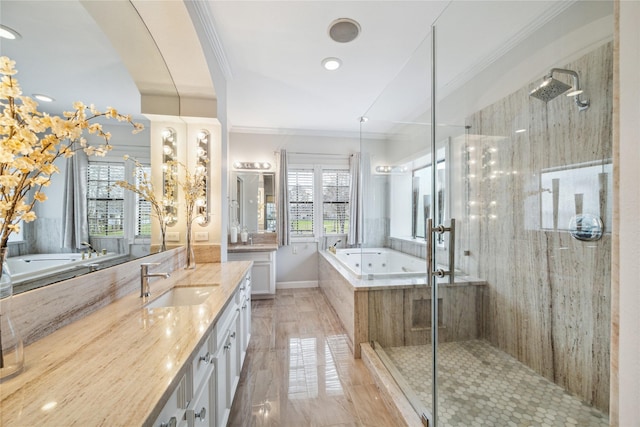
<point x="440" y="229"/>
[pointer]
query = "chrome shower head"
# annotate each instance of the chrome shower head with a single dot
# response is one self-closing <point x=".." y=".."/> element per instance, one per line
<point x="551" y="88"/>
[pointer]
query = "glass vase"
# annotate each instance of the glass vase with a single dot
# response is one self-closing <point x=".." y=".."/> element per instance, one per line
<point x="11" y="349"/>
<point x="191" y="258"/>
<point x="163" y="235"/>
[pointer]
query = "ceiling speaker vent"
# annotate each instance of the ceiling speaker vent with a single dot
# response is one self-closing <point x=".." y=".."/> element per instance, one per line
<point x="344" y="30"/>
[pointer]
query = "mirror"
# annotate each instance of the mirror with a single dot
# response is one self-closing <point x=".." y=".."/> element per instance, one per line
<point x="91" y="70"/>
<point x="253" y="201"/>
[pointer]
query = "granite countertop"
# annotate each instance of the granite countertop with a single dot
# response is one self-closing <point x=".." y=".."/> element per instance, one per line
<point x="256" y="247"/>
<point x="118" y="365"/>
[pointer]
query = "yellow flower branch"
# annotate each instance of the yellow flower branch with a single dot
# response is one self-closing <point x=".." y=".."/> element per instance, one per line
<point x="30" y="143"/>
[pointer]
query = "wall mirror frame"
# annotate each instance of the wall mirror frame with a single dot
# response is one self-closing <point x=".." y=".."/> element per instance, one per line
<point x="253" y="200"/>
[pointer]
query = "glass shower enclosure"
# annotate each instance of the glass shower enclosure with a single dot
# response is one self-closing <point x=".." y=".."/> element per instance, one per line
<point x="466" y="171"/>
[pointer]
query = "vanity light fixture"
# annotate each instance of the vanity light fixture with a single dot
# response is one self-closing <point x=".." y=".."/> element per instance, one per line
<point x="252" y="165"/>
<point x="202" y="168"/>
<point x="43" y="98"/>
<point x="391" y="169"/>
<point x="8" y="33"/>
<point x="169" y="172"/>
<point x="331" y="64"/>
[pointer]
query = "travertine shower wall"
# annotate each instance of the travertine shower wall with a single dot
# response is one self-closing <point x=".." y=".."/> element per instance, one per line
<point x="549" y="293"/>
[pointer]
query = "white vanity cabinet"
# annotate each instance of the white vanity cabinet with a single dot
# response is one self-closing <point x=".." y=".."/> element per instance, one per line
<point x="205" y="392"/>
<point x="263" y="277"/>
<point x="245" y="316"/>
<point x="173" y="413"/>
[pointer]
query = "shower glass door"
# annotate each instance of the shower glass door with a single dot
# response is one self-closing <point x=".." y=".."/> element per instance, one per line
<point x="524" y="332"/>
<point x="397" y="170"/>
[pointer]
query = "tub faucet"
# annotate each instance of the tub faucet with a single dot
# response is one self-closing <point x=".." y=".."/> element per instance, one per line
<point x="87" y="244"/>
<point x="144" y="278"/>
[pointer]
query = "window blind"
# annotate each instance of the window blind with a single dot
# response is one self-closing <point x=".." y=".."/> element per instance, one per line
<point x="143" y="206"/>
<point x="105" y="200"/>
<point x="301" y="201"/>
<point x="335" y="201"/>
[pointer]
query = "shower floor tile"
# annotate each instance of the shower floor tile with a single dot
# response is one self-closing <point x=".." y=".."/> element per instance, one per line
<point x="480" y="385"/>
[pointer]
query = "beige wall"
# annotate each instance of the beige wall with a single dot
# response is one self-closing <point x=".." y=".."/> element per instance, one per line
<point x="549" y="293"/>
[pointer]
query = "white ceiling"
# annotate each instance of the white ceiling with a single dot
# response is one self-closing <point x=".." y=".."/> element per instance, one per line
<point x="273" y="51"/>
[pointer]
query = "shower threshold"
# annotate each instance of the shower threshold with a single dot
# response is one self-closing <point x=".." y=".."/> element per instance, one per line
<point x="481" y="385"/>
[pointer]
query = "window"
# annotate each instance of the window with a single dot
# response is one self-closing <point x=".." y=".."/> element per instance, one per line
<point x="335" y="201"/>
<point x="143" y="207"/>
<point x="318" y="200"/>
<point x="301" y="202"/>
<point x="105" y="200"/>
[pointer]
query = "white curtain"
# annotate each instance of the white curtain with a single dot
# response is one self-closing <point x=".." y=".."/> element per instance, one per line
<point x="75" y="226"/>
<point x="355" y="202"/>
<point x="283" y="200"/>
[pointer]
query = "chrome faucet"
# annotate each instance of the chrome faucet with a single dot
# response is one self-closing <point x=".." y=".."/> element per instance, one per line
<point x="251" y="239"/>
<point x="91" y="249"/>
<point x="144" y="277"/>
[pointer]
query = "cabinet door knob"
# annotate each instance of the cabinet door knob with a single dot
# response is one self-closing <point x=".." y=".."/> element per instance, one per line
<point x="201" y="414"/>
<point x="207" y="358"/>
<point x="173" y="422"/>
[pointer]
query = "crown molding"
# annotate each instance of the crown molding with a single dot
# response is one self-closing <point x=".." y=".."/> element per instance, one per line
<point x="206" y="19"/>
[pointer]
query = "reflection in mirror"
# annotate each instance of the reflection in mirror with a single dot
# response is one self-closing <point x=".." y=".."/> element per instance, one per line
<point x="422" y="187"/>
<point x="202" y="166"/>
<point x="92" y="71"/>
<point x="169" y="175"/>
<point x="254" y="201"/>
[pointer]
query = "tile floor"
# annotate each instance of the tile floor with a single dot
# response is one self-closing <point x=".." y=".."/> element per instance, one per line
<point x="299" y="370"/>
<point x="483" y="386"/>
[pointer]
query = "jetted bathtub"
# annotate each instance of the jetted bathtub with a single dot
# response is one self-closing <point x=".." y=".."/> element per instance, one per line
<point x="29" y="267"/>
<point x="381" y="263"/>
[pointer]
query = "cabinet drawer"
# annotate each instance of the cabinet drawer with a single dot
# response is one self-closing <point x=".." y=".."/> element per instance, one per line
<point x="222" y="325"/>
<point x="200" y="414"/>
<point x="202" y="365"/>
<point x="174" y="409"/>
<point x="264" y="256"/>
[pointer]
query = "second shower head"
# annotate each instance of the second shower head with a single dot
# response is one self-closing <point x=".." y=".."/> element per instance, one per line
<point x="550" y="88"/>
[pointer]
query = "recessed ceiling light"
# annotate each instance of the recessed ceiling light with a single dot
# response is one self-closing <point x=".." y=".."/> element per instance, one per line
<point x="8" y="33"/>
<point x="331" y="64"/>
<point x="43" y="98"/>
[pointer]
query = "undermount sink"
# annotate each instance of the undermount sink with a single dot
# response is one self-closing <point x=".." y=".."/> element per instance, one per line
<point x="182" y="296"/>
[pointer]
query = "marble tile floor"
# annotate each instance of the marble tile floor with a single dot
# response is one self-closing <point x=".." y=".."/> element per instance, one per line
<point x="299" y="370"/>
<point x="483" y="386"/>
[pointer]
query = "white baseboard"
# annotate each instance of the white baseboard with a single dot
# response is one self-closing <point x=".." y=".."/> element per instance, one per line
<point x="297" y="285"/>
